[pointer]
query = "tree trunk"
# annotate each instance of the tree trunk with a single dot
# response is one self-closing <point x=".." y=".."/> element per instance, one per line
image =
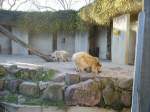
<point x="32" y="50"/>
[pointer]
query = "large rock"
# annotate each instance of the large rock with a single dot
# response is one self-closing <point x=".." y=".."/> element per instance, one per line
<point x="87" y="76"/>
<point x="112" y="98"/>
<point x="126" y="98"/>
<point x="2" y="71"/>
<point x="85" y="93"/>
<point x="13" y="85"/>
<point x="54" y="91"/>
<point x="29" y="89"/>
<point x="2" y="83"/>
<point x="12" y="69"/>
<point x="125" y="83"/>
<point x="43" y="85"/>
<point x="72" y="78"/>
<point x="59" y="78"/>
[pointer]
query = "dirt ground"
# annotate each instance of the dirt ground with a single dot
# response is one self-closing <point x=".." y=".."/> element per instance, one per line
<point x="109" y="69"/>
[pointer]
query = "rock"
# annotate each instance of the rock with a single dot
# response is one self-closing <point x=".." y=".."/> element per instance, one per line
<point x="43" y="85"/>
<point x="59" y="78"/>
<point x="125" y="83"/>
<point x="4" y="93"/>
<point x="27" y="74"/>
<point x="2" y="71"/>
<point x="85" y="77"/>
<point x="126" y="110"/>
<point x="85" y="93"/>
<point x="2" y="83"/>
<point x="13" y="69"/>
<point x="72" y="78"/>
<point x="112" y="98"/>
<point x="126" y="98"/>
<point x="54" y="91"/>
<point x="21" y="99"/>
<point x="106" y="81"/>
<point x="13" y="85"/>
<point x="29" y="89"/>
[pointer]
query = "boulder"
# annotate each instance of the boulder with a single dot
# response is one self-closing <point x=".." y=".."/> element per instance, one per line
<point x="59" y="78"/>
<point x="112" y="98"/>
<point x="2" y="83"/>
<point x="21" y="99"/>
<point x="29" y="89"/>
<point x="13" y="85"/>
<point x="12" y="69"/>
<point x="126" y="98"/>
<point x="85" y="93"/>
<point x="87" y="76"/>
<point x="125" y="83"/>
<point x="4" y="93"/>
<point x="72" y="78"/>
<point x="54" y="91"/>
<point x="43" y="85"/>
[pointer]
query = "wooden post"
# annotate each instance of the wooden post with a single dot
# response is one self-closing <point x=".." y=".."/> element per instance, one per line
<point x="141" y="89"/>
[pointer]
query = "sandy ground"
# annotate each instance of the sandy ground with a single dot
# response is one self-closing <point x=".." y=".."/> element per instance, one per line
<point x="109" y="69"/>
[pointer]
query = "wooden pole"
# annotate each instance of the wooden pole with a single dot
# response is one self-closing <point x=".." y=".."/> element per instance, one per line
<point x="141" y="88"/>
<point x="32" y="50"/>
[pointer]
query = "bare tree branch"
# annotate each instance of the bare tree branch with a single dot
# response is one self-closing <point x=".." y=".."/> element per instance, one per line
<point x="20" y="4"/>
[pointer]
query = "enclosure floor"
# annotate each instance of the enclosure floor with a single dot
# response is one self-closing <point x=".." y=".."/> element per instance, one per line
<point x="109" y="69"/>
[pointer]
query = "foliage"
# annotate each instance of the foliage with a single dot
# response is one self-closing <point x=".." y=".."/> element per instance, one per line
<point x="11" y="98"/>
<point x="51" y="21"/>
<point x="102" y="11"/>
<point x="35" y="75"/>
<point x="2" y="71"/>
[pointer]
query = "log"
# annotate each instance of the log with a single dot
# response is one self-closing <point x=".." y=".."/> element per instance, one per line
<point x="12" y="37"/>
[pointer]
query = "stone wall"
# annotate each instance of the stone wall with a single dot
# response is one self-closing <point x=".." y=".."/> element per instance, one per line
<point x="70" y="88"/>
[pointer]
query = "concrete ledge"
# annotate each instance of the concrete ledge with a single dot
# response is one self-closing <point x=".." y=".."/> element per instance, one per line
<point x="24" y="108"/>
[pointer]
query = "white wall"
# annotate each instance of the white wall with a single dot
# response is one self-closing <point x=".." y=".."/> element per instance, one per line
<point x="81" y="42"/>
<point x="102" y="43"/>
<point x="5" y="45"/>
<point x="17" y="49"/>
<point x="66" y="41"/>
<point x="42" y="42"/>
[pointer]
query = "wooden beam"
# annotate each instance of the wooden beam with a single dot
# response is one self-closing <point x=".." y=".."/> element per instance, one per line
<point x="32" y="50"/>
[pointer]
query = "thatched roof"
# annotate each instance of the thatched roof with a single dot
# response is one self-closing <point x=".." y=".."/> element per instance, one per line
<point x="68" y="20"/>
<point x="102" y="11"/>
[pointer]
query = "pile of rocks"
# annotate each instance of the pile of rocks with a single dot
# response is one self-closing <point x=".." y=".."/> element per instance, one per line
<point x="73" y="89"/>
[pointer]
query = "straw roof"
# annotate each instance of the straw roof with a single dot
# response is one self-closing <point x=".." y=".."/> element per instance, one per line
<point x="102" y="11"/>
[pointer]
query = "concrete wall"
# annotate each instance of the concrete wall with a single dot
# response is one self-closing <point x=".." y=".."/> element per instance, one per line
<point x="81" y="42"/>
<point x="42" y="42"/>
<point x="17" y="49"/>
<point x="102" y="43"/>
<point x="5" y="45"/>
<point x="66" y="41"/>
<point x="120" y="42"/>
